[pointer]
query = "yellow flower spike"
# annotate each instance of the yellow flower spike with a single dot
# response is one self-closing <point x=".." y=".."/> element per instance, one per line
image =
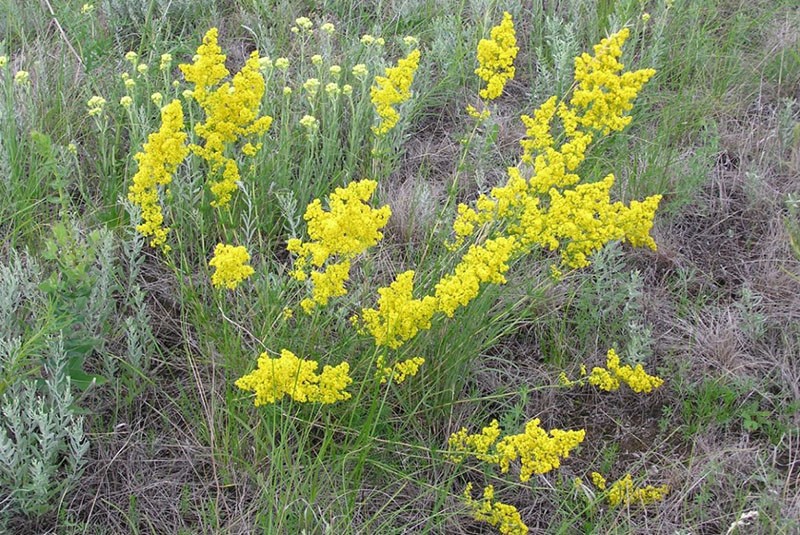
<point x="391" y="90"/>
<point x="232" y="111"/>
<point x="502" y="516"/>
<point x="291" y="376"/>
<point x="496" y="58"/>
<point x="230" y="266"/>
<point x="159" y="159"/>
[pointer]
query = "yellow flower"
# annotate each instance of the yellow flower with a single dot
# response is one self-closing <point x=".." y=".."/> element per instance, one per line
<point x="232" y="111"/>
<point x="296" y="378"/>
<point x="130" y="83"/>
<point x="87" y="9"/>
<point x="156" y="98"/>
<point x="159" y="159"/>
<point x="367" y="39"/>
<point x="230" y="265"/>
<point x="539" y="451"/>
<point x="142" y="68"/>
<point x="165" y="63"/>
<point x="287" y="91"/>
<point x="410" y="41"/>
<point x="496" y="58"/>
<point x="131" y="56"/>
<point x="282" y="63"/>
<point x="332" y="89"/>
<point x="343" y="232"/>
<point x="598" y="480"/>
<point x="304" y="23"/>
<point x="335" y="70"/>
<point x="391" y="90"/>
<point x="502" y="516"/>
<point x="347" y="89"/>
<point x="316" y="60"/>
<point x="328" y="28"/>
<point x="22" y="77"/>
<point x="602" y="94"/>
<point x="624" y="492"/>
<point x="479" y="115"/>
<point x="3" y="61"/>
<point x="611" y="378"/>
<point x="311" y="86"/>
<point x="398" y="372"/>
<point x="360" y="71"/>
<point x="310" y="123"/>
<point x="399" y="316"/>
<point x="96" y="105"/>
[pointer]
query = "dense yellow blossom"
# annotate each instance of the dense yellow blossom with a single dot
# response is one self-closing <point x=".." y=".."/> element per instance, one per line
<point x="502" y="516"/>
<point x="477" y="444"/>
<point x="326" y="285"/>
<point x="230" y="265"/>
<point x="399" y="316"/>
<point x="291" y="376"/>
<point x="208" y="69"/>
<point x="551" y="209"/>
<point x="399" y="371"/>
<point x="602" y="94"/>
<point x="157" y="162"/>
<point x="538" y="451"/>
<point x="483" y="263"/>
<point x="347" y="229"/>
<point x="611" y="378"/>
<point x="623" y="491"/>
<point x="496" y="58"/>
<point x="231" y="111"/>
<point x="391" y="90"/>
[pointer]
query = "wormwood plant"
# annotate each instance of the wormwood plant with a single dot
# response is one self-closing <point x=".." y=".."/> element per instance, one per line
<point x="218" y="128"/>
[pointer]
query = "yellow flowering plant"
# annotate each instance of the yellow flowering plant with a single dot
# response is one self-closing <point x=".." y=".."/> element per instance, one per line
<point x="543" y="205"/>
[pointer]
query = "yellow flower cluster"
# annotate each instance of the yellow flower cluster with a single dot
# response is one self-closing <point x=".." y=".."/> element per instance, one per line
<point x="393" y="89"/>
<point x="602" y="93"/>
<point x="231" y="111"/>
<point x="623" y="491"/>
<point x="291" y="376"/>
<point x="399" y="317"/>
<point x="343" y="232"/>
<point x="502" y="516"/>
<point x="399" y="371"/>
<point x="549" y="210"/>
<point x="611" y="378"/>
<point x="481" y="264"/>
<point x="159" y="159"/>
<point x="496" y="58"/>
<point x="230" y="266"/>
<point x="539" y="452"/>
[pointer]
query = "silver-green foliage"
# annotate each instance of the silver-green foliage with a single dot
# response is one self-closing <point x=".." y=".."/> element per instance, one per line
<point x="43" y="446"/>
